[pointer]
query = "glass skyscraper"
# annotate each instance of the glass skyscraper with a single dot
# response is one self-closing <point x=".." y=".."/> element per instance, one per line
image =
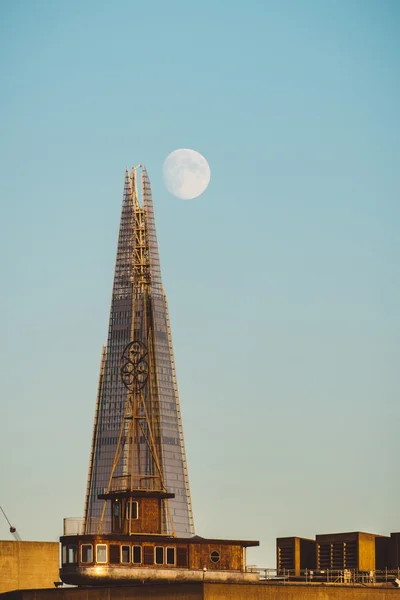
<point x="139" y="312"/>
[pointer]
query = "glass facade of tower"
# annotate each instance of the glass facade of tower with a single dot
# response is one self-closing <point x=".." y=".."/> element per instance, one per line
<point x="139" y="311"/>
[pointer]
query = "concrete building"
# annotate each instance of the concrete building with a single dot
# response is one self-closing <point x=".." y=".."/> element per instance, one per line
<point x="295" y="554"/>
<point x="393" y="559"/>
<point x="28" y="565"/>
<point x="355" y="551"/>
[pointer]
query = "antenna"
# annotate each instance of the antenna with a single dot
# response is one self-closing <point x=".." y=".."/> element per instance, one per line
<point x="13" y="529"/>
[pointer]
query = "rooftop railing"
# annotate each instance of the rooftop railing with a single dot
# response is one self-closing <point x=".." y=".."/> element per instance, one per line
<point x="135" y="482"/>
<point x="73" y="526"/>
<point x="332" y="576"/>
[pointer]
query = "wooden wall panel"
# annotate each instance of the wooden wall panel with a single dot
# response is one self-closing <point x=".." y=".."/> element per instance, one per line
<point x="231" y="557"/>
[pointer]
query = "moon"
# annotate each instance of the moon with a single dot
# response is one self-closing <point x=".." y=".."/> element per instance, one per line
<point x="186" y="173"/>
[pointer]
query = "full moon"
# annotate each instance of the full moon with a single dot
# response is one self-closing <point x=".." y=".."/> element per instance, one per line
<point x="186" y="173"/>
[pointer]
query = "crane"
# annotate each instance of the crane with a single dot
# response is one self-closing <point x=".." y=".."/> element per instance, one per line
<point x="13" y="530"/>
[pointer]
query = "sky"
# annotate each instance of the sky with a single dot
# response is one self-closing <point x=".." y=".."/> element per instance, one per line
<point x="282" y="278"/>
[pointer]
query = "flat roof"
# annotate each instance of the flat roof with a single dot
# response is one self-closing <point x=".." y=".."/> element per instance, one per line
<point x="148" y="537"/>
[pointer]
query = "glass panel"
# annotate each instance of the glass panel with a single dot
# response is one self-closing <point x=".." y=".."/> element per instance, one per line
<point x="87" y="553"/>
<point x="101" y="553"/>
<point x="132" y="510"/>
<point x="170" y="556"/>
<point x="137" y="555"/>
<point x="159" y="555"/>
<point x="72" y="554"/>
<point x="116" y="517"/>
<point x="125" y="554"/>
<point x="64" y="554"/>
<point x="214" y="556"/>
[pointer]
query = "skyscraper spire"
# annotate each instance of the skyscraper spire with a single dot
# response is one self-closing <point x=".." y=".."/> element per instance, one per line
<point x="153" y="449"/>
<point x="151" y="234"/>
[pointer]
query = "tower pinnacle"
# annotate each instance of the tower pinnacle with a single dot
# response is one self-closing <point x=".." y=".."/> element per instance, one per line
<point x="138" y="438"/>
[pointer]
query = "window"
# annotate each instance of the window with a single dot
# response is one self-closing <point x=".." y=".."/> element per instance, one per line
<point x="132" y="510"/>
<point x="159" y="555"/>
<point x="87" y="553"/>
<point x="137" y="555"/>
<point x="125" y="554"/>
<point x="72" y="554"/>
<point x="148" y="555"/>
<point x="115" y="554"/>
<point x="64" y="554"/>
<point x="181" y="557"/>
<point x="170" y="556"/>
<point x="116" y="516"/>
<point x="214" y="556"/>
<point x="101" y="553"/>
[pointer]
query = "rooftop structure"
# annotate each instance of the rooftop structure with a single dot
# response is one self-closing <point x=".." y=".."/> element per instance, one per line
<point x="337" y="555"/>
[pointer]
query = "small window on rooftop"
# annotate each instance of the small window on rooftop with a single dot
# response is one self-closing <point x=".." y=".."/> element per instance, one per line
<point x="159" y="555"/>
<point x="137" y="555"/>
<point x="101" y="553"/>
<point x="125" y="554"/>
<point x="72" y="554"/>
<point x="132" y="510"/>
<point x="170" y="556"/>
<point x="87" y="553"/>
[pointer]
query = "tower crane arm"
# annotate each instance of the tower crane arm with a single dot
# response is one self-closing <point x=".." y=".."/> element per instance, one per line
<point x="13" y="529"/>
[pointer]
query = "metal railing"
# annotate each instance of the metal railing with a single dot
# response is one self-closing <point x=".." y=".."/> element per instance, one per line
<point x="331" y="576"/>
<point x="76" y="525"/>
<point x="123" y="483"/>
<point x="73" y="526"/>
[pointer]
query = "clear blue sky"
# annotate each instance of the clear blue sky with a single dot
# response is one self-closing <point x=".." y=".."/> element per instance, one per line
<point x="283" y="278"/>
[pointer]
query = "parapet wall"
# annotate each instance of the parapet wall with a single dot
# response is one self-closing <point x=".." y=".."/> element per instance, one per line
<point x="29" y="565"/>
<point x="211" y="591"/>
